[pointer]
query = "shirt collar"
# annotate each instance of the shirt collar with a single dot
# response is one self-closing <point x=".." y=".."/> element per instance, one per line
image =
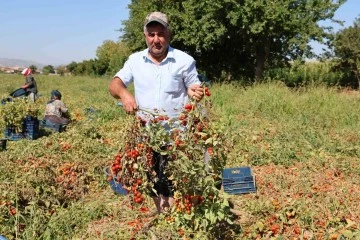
<point x="170" y="54"/>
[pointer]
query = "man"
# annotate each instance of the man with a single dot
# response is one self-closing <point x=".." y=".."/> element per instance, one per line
<point x="30" y="85"/>
<point x="164" y="78"/>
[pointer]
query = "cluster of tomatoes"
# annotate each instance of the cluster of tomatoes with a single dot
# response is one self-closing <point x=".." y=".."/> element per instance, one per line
<point x="69" y="182"/>
<point x="133" y="164"/>
<point x="207" y="92"/>
<point x="8" y="204"/>
<point x="187" y="203"/>
<point x="115" y="168"/>
<point x="189" y="107"/>
<point x="65" y="146"/>
<point x="129" y="176"/>
<point x="160" y="118"/>
<point x="68" y="176"/>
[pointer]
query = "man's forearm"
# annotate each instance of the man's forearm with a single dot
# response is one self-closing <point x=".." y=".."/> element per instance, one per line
<point x="117" y="88"/>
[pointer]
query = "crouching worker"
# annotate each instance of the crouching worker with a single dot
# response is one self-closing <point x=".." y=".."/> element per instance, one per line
<point x="56" y="112"/>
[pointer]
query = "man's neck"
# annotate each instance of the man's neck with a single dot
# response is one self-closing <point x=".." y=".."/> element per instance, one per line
<point x="158" y="59"/>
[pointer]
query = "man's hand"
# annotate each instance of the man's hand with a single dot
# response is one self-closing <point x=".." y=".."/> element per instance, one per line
<point x="195" y="91"/>
<point x="129" y="103"/>
<point x="119" y="91"/>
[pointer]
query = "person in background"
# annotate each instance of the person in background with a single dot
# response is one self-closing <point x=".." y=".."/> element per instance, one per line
<point x="30" y="85"/>
<point x="56" y="112"/>
<point x="164" y="79"/>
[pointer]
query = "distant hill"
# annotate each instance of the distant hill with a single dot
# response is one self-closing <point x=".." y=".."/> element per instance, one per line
<point x="9" y="62"/>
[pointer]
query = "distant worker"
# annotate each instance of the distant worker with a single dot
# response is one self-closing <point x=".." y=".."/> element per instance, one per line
<point x="56" y="112"/>
<point x="30" y="85"/>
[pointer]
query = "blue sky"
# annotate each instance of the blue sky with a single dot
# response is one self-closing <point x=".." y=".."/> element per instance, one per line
<point x="58" y="32"/>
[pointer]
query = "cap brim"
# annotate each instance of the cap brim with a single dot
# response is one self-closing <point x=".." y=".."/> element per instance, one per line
<point x="158" y="21"/>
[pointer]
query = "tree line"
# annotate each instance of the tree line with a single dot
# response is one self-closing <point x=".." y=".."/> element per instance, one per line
<point x="238" y="39"/>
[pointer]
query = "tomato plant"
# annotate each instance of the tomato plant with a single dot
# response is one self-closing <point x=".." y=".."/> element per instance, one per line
<point x="13" y="113"/>
<point x="194" y="144"/>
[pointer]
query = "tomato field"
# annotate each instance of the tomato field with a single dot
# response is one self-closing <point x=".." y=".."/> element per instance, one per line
<point x="303" y="146"/>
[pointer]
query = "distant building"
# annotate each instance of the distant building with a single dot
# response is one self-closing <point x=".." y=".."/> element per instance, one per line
<point x="13" y="70"/>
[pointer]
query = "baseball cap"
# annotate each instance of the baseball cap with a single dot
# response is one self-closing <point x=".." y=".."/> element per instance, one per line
<point x="157" y="17"/>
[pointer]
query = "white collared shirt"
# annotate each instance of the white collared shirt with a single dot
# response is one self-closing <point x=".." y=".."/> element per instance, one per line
<point x="161" y="88"/>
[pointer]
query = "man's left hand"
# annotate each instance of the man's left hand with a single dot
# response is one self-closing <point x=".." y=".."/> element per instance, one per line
<point x="196" y="92"/>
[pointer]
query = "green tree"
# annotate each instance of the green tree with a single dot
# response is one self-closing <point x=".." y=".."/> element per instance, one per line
<point x="117" y="60"/>
<point x="235" y="38"/>
<point x="79" y="69"/>
<point x="86" y="67"/>
<point x="33" y="68"/>
<point x="347" y="50"/>
<point x="111" y="56"/>
<point x="48" y="69"/>
<point x="100" y="67"/>
<point x="61" y="70"/>
<point x="71" y="67"/>
<point x="118" y="57"/>
<point x="103" y="54"/>
<point x="90" y="67"/>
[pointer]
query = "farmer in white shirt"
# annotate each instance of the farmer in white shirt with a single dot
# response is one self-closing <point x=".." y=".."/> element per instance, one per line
<point x="164" y="78"/>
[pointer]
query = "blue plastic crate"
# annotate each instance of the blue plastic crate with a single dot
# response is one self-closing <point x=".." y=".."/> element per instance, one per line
<point x="32" y="135"/>
<point x="29" y="119"/>
<point x="11" y="134"/>
<point x="238" y="180"/>
<point x="16" y="136"/>
<point x="32" y="129"/>
<point x="8" y="132"/>
<point x="240" y="185"/>
<point x="236" y="172"/>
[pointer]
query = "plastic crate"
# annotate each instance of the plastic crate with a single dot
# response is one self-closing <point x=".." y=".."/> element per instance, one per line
<point x="12" y="135"/>
<point x="8" y="131"/>
<point x="15" y="136"/>
<point x="32" y="129"/>
<point x="238" y="180"/>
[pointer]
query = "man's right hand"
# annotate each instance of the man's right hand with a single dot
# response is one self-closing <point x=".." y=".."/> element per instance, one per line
<point x="128" y="101"/>
<point x="118" y="90"/>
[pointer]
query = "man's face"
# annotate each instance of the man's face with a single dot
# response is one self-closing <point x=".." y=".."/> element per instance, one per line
<point x="157" y="39"/>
